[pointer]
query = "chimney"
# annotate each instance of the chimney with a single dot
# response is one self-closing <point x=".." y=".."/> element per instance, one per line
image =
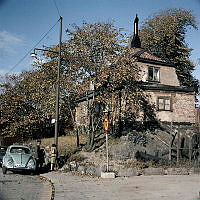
<point x="135" y="43"/>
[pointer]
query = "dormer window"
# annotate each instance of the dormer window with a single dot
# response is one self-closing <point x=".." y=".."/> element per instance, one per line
<point x="153" y="74"/>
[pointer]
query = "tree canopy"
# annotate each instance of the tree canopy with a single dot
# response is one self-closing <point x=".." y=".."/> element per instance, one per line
<point x="164" y="35"/>
<point x="94" y="53"/>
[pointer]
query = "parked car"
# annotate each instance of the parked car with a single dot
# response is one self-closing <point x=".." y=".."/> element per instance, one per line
<point x="2" y="153"/>
<point x="18" y="158"/>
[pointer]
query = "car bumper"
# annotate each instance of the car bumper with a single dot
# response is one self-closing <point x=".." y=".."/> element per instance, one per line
<point x="20" y="169"/>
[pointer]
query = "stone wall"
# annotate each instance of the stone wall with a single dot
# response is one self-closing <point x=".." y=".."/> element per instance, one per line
<point x="121" y="170"/>
<point x="183" y="106"/>
<point x="123" y="158"/>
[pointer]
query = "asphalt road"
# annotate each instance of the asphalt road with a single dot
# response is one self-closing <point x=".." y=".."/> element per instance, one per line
<point x="174" y="187"/>
<point x="23" y="187"/>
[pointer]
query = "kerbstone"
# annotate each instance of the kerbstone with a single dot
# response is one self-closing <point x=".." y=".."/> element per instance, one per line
<point x="127" y="172"/>
<point x="107" y="175"/>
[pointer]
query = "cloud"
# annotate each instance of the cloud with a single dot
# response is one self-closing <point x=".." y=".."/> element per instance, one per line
<point x="7" y="42"/>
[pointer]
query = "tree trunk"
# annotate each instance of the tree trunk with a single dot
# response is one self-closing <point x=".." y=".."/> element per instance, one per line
<point x="76" y="128"/>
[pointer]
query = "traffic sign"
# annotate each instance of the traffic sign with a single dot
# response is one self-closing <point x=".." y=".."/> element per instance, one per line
<point x="106" y="124"/>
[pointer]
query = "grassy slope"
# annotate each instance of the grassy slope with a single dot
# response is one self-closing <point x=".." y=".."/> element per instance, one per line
<point x="66" y="144"/>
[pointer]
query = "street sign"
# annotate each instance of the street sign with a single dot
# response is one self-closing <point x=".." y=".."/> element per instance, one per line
<point x="106" y="124"/>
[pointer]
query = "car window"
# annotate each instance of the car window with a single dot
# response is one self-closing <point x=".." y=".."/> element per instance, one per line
<point x="19" y="150"/>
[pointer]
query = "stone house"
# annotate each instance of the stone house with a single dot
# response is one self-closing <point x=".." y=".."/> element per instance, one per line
<point x="173" y="107"/>
<point x="173" y="102"/>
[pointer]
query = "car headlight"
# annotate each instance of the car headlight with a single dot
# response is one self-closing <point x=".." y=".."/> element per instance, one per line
<point x="10" y="162"/>
<point x="31" y="163"/>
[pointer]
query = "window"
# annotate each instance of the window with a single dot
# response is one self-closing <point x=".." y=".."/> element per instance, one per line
<point x="164" y="103"/>
<point x="153" y="74"/>
<point x="20" y="150"/>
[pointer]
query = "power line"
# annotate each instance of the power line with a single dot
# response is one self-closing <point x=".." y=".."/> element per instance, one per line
<point x="31" y="49"/>
<point x="56" y="7"/>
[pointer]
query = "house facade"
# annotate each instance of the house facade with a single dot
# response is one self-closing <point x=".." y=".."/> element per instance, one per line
<point x="159" y="80"/>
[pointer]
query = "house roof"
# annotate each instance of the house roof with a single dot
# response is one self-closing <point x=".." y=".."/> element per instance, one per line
<point x="145" y="86"/>
<point x="141" y="54"/>
<point x="144" y="56"/>
<point x="162" y="87"/>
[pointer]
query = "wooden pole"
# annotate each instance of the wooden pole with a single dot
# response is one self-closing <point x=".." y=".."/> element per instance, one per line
<point x="58" y="87"/>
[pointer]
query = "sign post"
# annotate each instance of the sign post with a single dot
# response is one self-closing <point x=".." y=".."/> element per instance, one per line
<point x="107" y="174"/>
<point x="106" y="127"/>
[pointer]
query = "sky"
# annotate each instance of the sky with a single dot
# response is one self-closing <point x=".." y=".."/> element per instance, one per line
<point x="23" y="23"/>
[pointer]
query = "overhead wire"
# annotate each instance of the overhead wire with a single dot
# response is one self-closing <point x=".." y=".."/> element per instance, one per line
<point x="56" y="7"/>
<point x="31" y="49"/>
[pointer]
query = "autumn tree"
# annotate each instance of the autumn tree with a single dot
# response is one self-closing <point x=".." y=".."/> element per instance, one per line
<point x="28" y="103"/>
<point x="16" y="115"/>
<point x="97" y="53"/>
<point x="93" y="53"/>
<point x="164" y="34"/>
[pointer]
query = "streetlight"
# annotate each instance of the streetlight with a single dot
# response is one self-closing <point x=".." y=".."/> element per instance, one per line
<point x="58" y="80"/>
<point x="34" y="54"/>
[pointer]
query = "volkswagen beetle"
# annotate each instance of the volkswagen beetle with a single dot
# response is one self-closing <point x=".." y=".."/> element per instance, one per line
<point x="18" y="158"/>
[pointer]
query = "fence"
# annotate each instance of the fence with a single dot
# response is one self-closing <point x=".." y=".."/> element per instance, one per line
<point x="187" y="148"/>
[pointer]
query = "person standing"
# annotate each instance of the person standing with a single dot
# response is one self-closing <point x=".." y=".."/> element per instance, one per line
<point x="41" y="158"/>
<point x="53" y="156"/>
<point x="47" y="155"/>
<point x="37" y="154"/>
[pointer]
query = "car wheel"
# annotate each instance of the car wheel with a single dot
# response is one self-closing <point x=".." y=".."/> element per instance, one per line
<point x="4" y="170"/>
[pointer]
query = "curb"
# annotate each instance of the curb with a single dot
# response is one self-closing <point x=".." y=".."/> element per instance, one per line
<point x="122" y="171"/>
<point x="52" y="185"/>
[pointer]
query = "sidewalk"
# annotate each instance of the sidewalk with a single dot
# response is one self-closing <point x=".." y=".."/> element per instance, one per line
<point x="74" y="187"/>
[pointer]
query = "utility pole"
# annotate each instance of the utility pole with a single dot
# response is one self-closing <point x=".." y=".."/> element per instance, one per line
<point x="57" y="110"/>
<point x="58" y="86"/>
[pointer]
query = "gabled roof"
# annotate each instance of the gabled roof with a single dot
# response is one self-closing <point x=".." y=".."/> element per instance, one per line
<point x="144" y="56"/>
<point x="141" y="54"/>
